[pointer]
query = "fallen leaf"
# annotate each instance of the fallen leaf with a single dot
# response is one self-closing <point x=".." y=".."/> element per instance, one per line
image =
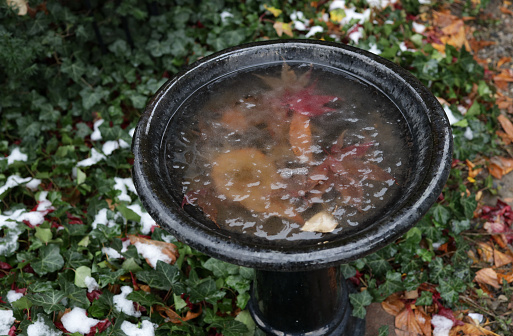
<point x="273" y="10"/>
<point x="173" y="317"/>
<point x="501" y="259"/>
<point x="470" y="330"/>
<point x="500" y="166"/>
<point x="508" y="277"/>
<point x="410" y="295"/>
<point x="487" y="276"/>
<point x="476" y="45"/>
<point x="300" y="137"/>
<point x="20" y="5"/>
<point x="320" y="222"/>
<point x="506" y="10"/>
<point x="234" y="120"/>
<point x="503" y="60"/>
<point x="282" y="27"/>
<point x="485" y="251"/>
<point x="412" y="322"/>
<point x="393" y="304"/>
<point x="169" y="249"/>
<point x="308" y="103"/>
<point x="506" y="124"/>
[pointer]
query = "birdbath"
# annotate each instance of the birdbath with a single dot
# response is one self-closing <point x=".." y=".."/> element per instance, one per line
<point x="292" y="157"/>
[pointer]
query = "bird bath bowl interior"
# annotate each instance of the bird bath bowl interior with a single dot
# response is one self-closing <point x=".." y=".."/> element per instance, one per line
<point x="298" y="289"/>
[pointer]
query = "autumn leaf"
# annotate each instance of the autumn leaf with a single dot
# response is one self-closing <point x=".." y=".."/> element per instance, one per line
<point x="485" y="251"/>
<point x="308" y="103"/>
<point x="167" y="312"/>
<point x="487" y="276"/>
<point x="503" y="60"/>
<point x="282" y="27"/>
<point x="167" y="249"/>
<point x="234" y="120"/>
<point x="320" y="222"/>
<point x="413" y="322"/>
<point x="470" y="330"/>
<point x="501" y="259"/>
<point x="393" y="304"/>
<point x="20" y="5"/>
<point x="500" y="166"/>
<point x="506" y="124"/>
<point x="273" y="10"/>
<point x="300" y="137"/>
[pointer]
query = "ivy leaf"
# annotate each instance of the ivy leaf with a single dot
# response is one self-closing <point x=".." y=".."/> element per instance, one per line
<point x="144" y="298"/>
<point x="50" y="260"/>
<point x="76" y="295"/>
<point x="74" y="69"/>
<point x="383" y="331"/>
<point x="231" y="327"/>
<point x="441" y="214"/>
<point x="377" y="264"/>
<point x="164" y="277"/>
<point x="50" y="301"/>
<point x="425" y="299"/>
<point x="359" y="301"/>
<point x="220" y="268"/>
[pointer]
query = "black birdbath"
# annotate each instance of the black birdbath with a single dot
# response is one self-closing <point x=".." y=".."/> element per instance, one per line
<point x="298" y="289"/>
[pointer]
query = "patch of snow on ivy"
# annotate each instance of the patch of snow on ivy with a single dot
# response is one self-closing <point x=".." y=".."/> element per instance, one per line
<point x="122" y="304"/>
<point x="130" y="329"/>
<point x="77" y="321"/>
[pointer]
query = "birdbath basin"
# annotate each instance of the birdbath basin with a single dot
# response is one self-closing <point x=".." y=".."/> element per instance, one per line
<point x="355" y="192"/>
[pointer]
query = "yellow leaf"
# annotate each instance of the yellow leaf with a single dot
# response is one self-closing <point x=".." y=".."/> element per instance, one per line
<point x="337" y="15"/>
<point x="282" y="27"/>
<point x="275" y="11"/>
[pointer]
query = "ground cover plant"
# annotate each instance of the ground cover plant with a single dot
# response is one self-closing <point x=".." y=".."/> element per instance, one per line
<point x="80" y="256"/>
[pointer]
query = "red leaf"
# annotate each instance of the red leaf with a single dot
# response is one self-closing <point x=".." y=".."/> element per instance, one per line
<point x="12" y="331"/>
<point x="5" y="266"/>
<point x="307" y="103"/>
<point x="95" y="294"/>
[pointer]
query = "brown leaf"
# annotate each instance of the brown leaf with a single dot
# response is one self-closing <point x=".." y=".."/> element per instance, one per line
<point x="485" y="251"/>
<point x="393" y="304"/>
<point x="410" y="295"/>
<point x="412" y="322"/>
<point x="503" y="60"/>
<point x="507" y="125"/>
<point x="508" y="277"/>
<point x="300" y="137"/>
<point x="167" y="312"/>
<point x="500" y="166"/>
<point x="501" y="259"/>
<point x="470" y="330"/>
<point x="20" y="5"/>
<point x="487" y="276"/>
<point x="234" y="120"/>
<point x="168" y="249"/>
<point x="506" y="10"/>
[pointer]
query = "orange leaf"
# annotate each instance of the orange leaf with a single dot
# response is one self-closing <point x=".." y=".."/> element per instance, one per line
<point x="413" y="322"/>
<point x="174" y="317"/>
<point x="485" y="251"/>
<point x="300" y="137"/>
<point x="503" y="60"/>
<point x="506" y="10"/>
<point x="508" y="277"/>
<point x="393" y="304"/>
<point x="506" y="124"/>
<point x="504" y="137"/>
<point x="470" y="330"/>
<point x="168" y="249"/>
<point x="500" y="166"/>
<point x="487" y="276"/>
<point x="235" y="121"/>
<point x="501" y="259"/>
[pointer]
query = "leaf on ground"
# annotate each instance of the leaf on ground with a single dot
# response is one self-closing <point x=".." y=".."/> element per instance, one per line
<point x="487" y="276"/>
<point x="168" y="313"/>
<point x="470" y="330"/>
<point x="413" y="322"/>
<point x="501" y="259"/>
<point x="393" y="304"/>
<point x="500" y="166"/>
<point x="485" y="251"/>
<point x="506" y="124"/>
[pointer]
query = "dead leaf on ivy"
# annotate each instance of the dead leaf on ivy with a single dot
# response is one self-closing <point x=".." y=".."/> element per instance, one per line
<point x="20" y="5"/>
<point x="413" y="322"/>
<point x="282" y="27"/>
<point x="393" y="304"/>
<point x="501" y="259"/>
<point x="487" y="276"/>
<point x="485" y="251"/>
<point x="470" y="330"/>
<point x="168" y="249"/>
<point x="167" y="312"/>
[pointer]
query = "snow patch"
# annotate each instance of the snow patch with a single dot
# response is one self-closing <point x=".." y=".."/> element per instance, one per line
<point x="122" y="184"/>
<point x="123" y="305"/>
<point x="13" y="181"/>
<point x="91" y="284"/>
<point x="442" y="325"/>
<point x="314" y="30"/>
<point x="152" y="253"/>
<point x="39" y="328"/>
<point x="6" y="321"/>
<point x="94" y="159"/>
<point x="418" y="28"/>
<point x="77" y="321"/>
<point x="452" y="118"/>
<point x="225" y="15"/>
<point x="111" y="253"/>
<point x="146" y="221"/>
<point x="469" y="135"/>
<point x="101" y="218"/>
<point x="97" y="135"/>
<point x="356" y="35"/>
<point x="130" y="329"/>
<point x="16" y="155"/>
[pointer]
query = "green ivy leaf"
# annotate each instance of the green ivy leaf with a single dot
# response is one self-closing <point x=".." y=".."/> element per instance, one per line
<point x="144" y="298"/>
<point x="50" y="260"/>
<point x="425" y="299"/>
<point x="359" y="301"/>
<point x="50" y="301"/>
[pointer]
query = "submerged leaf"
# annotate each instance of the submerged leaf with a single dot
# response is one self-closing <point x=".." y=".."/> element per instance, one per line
<point x="300" y="137"/>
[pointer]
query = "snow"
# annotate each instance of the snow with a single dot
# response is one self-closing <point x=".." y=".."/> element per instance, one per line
<point x="111" y="145"/>
<point x="380" y="3"/>
<point x="123" y="305"/>
<point x="122" y="184"/>
<point x="452" y="118"/>
<point x="9" y="220"/>
<point x="338" y="4"/>
<point x="476" y="317"/>
<point x="314" y="30"/>
<point x="39" y="328"/>
<point x="91" y="284"/>
<point x="111" y="253"/>
<point x="152" y="253"/>
<point x="33" y="184"/>
<point x="146" y="221"/>
<point x="13" y="181"/>
<point x="469" y="135"/>
<point x="374" y="49"/>
<point x="12" y="296"/>
<point x="35" y="218"/>
<point x="125" y="245"/>
<point x="101" y="218"/>
<point x="130" y="329"/>
<point x="97" y="135"/>
<point x="77" y="321"/>
<point x="131" y="132"/>
<point x="418" y="28"/>
<point x="225" y="15"/>
<point x="355" y="36"/>
<point x="6" y="321"/>
<point x="442" y="325"/>
<point x="351" y="14"/>
<point x="16" y="155"/>
<point x="94" y="159"/>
